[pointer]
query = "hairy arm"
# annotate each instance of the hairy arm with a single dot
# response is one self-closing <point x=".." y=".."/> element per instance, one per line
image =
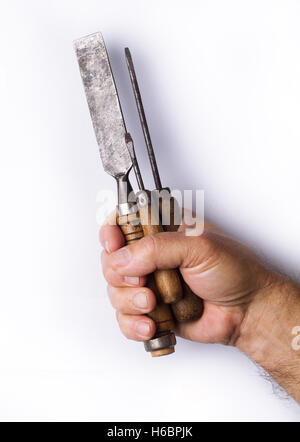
<point x="270" y="333"/>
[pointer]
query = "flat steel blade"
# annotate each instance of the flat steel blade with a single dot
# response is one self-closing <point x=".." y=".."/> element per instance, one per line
<point x="104" y="104"/>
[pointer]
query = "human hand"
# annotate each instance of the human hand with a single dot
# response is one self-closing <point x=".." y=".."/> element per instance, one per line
<point x="223" y="272"/>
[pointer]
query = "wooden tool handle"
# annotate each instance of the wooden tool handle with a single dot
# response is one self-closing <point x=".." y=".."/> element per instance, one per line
<point x="162" y="315"/>
<point x="190" y="307"/>
<point x="167" y="281"/>
<point x="131" y="227"/>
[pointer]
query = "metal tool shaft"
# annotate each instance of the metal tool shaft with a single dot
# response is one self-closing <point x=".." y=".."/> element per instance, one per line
<point x="135" y="163"/>
<point x="140" y="107"/>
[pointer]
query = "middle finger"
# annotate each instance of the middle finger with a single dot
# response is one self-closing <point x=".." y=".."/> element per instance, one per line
<point x="132" y="301"/>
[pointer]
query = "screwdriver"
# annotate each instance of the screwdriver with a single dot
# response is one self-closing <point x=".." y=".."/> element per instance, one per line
<point x="167" y="281"/>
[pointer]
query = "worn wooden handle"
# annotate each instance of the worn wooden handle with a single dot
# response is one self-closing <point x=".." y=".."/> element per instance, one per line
<point x="167" y="281"/>
<point x="190" y="307"/>
<point x="162" y="315"/>
<point x="131" y="227"/>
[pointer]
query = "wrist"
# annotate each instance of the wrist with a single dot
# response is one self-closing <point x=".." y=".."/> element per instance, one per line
<point x="266" y="333"/>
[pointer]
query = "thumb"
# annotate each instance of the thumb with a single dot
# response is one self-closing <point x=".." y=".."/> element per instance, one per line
<point x="165" y="250"/>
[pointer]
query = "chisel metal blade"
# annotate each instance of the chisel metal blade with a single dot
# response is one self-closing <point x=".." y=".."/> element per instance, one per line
<point x="103" y="102"/>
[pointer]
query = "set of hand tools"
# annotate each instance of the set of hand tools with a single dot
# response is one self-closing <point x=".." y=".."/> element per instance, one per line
<point x="138" y="214"/>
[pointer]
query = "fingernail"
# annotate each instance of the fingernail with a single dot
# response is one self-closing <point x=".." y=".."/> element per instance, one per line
<point x="106" y="246"/>
<point x="132" y="280"/>
<point x="140" y="300"/>
<point x="122" y="256"/>
<point x="143" y="329"/>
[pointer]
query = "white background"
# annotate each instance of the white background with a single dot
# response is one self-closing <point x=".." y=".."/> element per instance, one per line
<point x="221" y="88"/>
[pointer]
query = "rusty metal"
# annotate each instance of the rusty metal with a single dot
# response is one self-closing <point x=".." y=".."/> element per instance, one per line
<point x="167" y="340"/>
<point x="142" y="115"/>
<point x="104" y="104"/>
<point x="105" y="109"/>
<point x="135" y="163"/>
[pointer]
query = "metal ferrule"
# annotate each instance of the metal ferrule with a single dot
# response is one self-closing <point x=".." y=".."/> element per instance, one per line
<point x="126" y="196"/>
<point x="143" y="198"/>
<point x="162" y="342"/>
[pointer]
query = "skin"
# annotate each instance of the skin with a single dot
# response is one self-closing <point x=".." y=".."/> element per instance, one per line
<point x="246" y="304"/>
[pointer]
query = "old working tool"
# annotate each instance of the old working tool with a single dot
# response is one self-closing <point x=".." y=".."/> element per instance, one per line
<point x="190" y="307"/>
<point x="110" y="130"/>
<point x="167" y="281"/>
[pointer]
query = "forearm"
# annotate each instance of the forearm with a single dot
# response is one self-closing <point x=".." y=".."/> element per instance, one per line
<point x="269" y="333"/>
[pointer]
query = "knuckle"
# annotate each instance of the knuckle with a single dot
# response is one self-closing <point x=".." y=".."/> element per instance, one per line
<point x="124" y="325"/>
<point x="202" y="250"/>
<point x="122" y="320"/>
<point x="151" y="243"/>
<point x="103" y="262"/>
<point x="112" y="296"/>
<point x="119" y="317"/>
<point x="103" y="258"/>
<point x="107" y="274"/>
<point x="111" y="277"/>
